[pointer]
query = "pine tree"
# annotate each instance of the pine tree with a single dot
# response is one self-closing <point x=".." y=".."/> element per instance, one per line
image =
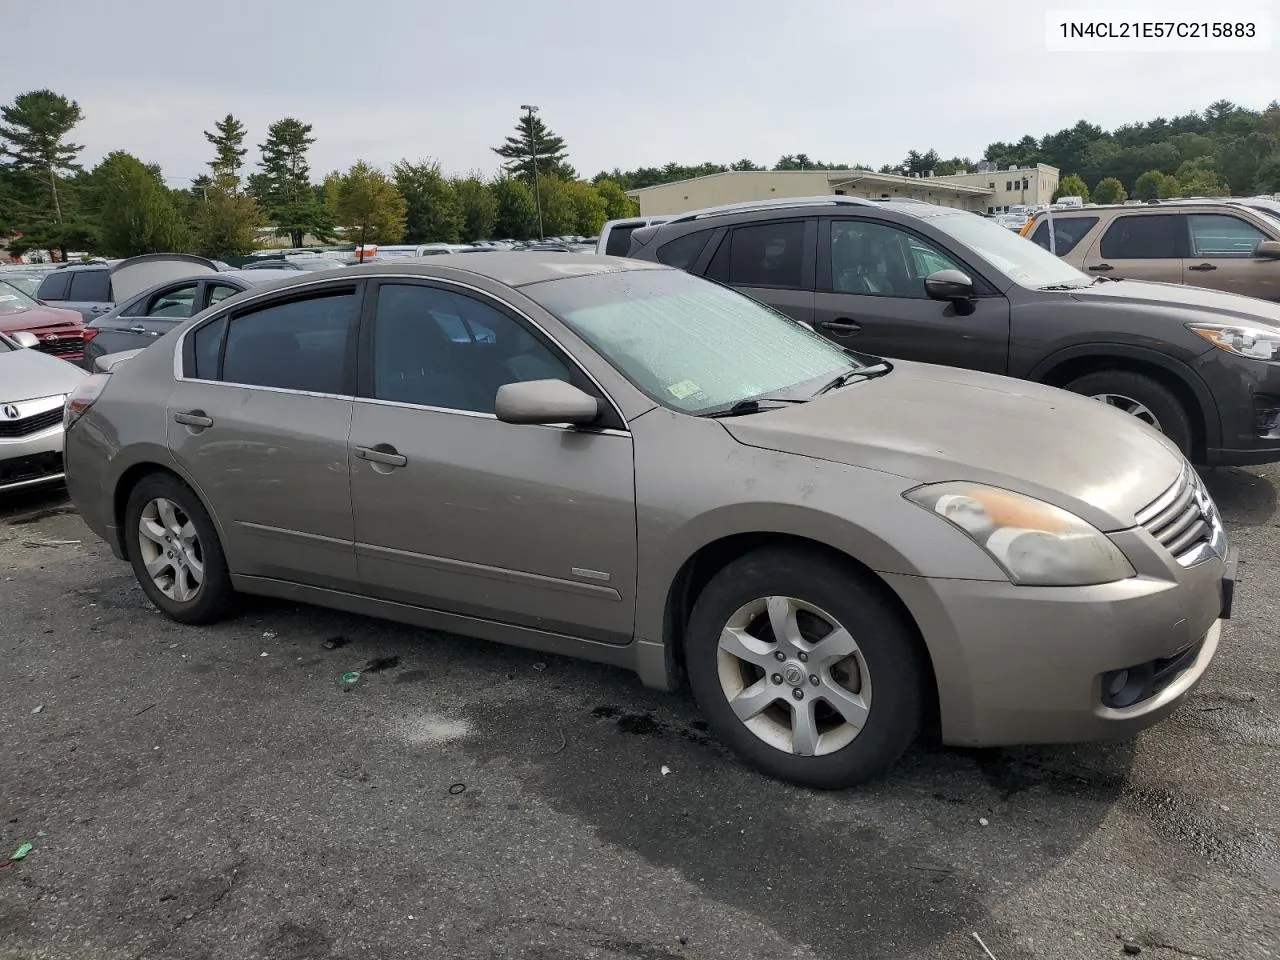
<point x="284" y="188"/>
<point x="532" y="137"/>
<point x="229" y="150"/>
<point x="35" y="132"/>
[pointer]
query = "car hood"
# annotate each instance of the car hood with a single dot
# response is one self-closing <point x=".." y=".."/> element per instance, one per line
<point x="36" y="319"/>
<point x="28" y="374"/>
<point x="1228" y="307"/>
<point x="932" y="424"/>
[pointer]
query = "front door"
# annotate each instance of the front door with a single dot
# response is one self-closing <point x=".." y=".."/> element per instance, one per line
<point x="457" y="511"/>
<point x="871" y="298"/>
<point x="261" y="420"/>
<point x="1221" y="256"/>
<point x="1139" y="246"/>
<point x="147" y="318"/>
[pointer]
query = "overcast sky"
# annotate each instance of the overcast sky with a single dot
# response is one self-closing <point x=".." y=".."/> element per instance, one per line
<point x="625" y="83"/>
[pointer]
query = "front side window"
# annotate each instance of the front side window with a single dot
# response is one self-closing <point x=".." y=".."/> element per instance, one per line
<point x="295" y="345"/>
<point x="1067" y="232"/>
<point x="691" y="345"/>
<point x="1149" y="237"/>
<point x="683" y="252"/>
<point x="438" y="348"/>
<point x="1221" y="235"/>
<point x="762" y="255"/>
<point x="874" y="258"/>
<point x="90" y="286"/>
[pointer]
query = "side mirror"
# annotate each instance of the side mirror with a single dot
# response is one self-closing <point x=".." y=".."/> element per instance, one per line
<point x="949" y="285"/>
<point x="545" y="401"/>
<point x="1267" y="249"/>
<point x="26" y="339"/>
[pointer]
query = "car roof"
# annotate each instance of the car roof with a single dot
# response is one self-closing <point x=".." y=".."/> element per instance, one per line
<point x="260" y="275"/>
<point x="513" y="268"/>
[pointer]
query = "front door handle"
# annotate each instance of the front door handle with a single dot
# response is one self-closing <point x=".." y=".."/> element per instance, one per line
<point x="138" y="329"/>
<point x="193" y="418"/>
<point x="387" y="455"/>
<point x="1101" y="267"/>
<point x="1203" y="266"/>
<point x="842" y="327"/>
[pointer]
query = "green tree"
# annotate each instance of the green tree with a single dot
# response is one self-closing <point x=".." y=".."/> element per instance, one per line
<point x="226" y="221"/>
<point x="1072" y="186"/>
<point x="64" y="236"/>
<point x="559" y="212"/>
<point x="743" y="164"/>
<point x="284" y="186"/>
<point x="137" y="214"/>
<point x="616" y="202"/>
<point x="479" y="208"/>
<point x="229" y="151"/>
<point x="588" y="208"/>
<point x="1109" y="190"/>
<point x="517" y="211"/>
<point x="433" y="213"/>
<point x="533" y="136"/>
<point x="33" y="137"/>
<point x="1268" y="176"/>
<point x="367" y="204"/>
<point x="1147" y="186"/>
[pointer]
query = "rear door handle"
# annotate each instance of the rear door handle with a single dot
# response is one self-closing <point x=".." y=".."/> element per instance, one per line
<point x="1101" y="267"/>
<point x="193" y="418"/>
<point x="1203" y="266"/>
<point x="138" y="329"/>
<point x="841" y="328"/>
<point x="387" y="456"/>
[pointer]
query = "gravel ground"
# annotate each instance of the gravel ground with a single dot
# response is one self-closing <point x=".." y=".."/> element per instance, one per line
<point x="217" y="793"/>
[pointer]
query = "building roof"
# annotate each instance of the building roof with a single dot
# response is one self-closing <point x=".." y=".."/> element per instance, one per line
<point x="836" y="178"/>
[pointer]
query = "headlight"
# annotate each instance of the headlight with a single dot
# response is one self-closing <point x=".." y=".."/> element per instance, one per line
<point x="1257" y="343"/>
<point x="1036" y="543"/>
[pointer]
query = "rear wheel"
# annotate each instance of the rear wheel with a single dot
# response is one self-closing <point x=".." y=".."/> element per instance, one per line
<point x="1142" y="397"/>
<point x="805" y="669"/>
<point x="174" y="549"/>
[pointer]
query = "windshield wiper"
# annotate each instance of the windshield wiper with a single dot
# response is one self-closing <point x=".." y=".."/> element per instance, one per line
<point x="868" y="372"/>
<point x="753" y="405"/>
<point x="1068" y="286"/>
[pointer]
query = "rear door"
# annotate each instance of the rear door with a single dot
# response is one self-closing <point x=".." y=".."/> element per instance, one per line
<point x="773" y="261"/>
<point x="260" y="420"/>
<point x="1139" y="246"/>
<point x="871" y="298"/>
<point x="1220" y="256"/>
<point x="88" y="291"/>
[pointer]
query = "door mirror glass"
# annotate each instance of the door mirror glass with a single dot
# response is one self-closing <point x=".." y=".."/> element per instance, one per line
<point x="948" y="285"/>
<point x="25" y="339"/>
<point x="545" y="401"/>
<point x="1269" y="249"/>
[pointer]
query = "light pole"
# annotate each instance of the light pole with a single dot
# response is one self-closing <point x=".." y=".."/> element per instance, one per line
<point x="533" y="155"/>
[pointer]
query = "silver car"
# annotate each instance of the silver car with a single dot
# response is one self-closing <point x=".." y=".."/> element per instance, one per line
<point x="33" y="391"/>
<point x="619" y="461"/>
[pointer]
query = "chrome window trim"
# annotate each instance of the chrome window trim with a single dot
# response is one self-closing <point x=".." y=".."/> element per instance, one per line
<point x="179" y="345"/>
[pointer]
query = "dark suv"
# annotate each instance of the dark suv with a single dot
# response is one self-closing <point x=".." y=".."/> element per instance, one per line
<point x="939" y="285"/>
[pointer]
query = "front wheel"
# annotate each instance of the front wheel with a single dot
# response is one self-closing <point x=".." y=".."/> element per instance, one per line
<point x="804" y="669"/>
<point x="1142" y="397"/>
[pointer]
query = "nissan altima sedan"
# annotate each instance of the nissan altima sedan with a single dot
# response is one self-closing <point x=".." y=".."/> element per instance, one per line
<point x="620" y="461"/>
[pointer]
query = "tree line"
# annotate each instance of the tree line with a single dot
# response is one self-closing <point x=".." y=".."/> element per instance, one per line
<point x="123" y="207"/>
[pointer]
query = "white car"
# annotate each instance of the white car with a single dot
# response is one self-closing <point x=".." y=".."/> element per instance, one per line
<point x="33" y="391"/>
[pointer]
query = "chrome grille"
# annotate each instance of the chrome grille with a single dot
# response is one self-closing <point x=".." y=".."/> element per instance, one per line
<point x="32" y="424"/>
<point x="1185" y="521"/>
<point x="64" y="345"/>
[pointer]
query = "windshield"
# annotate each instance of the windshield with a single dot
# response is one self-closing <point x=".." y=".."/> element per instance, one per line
<point x="1022" y="261"/>
<point x="690" y="344"/>
<point x="13" y="300"/>
<point x="28" y="285"/>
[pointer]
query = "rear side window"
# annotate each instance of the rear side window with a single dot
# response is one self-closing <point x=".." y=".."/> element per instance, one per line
<point x="683" y="252"/>
<point x="54" y="286"/>
<point x="1067" y="232"/>
<point x="619" y="241"/>
<point x="1150" y="237"/>
<point x="763" y="255"/>
<point x="92" y="286"/>
<point x="295" y="345"/>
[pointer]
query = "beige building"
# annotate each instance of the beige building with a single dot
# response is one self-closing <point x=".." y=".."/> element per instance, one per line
<point x="991" y="192"/>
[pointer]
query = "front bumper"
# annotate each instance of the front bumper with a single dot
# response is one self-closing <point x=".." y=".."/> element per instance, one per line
<point x="1021" y="665"/>
<point x="1247" y="393"/>
<point x="32" y="460"/>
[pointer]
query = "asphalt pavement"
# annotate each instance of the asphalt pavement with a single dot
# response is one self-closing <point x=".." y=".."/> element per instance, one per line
<point x="220" y="793"/>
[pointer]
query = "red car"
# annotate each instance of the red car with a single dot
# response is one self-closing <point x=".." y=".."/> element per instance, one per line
<point x="60" y="332"/>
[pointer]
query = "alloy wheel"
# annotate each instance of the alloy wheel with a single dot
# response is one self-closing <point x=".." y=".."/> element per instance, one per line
<point x="1130" y="406"/>
<point x="170" y="550"/>
<point x="794" y="676"/>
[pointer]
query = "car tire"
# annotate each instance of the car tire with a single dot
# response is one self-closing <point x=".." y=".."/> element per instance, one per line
<point x="1149" y="395"/>
<point x="739" y="605"/>
<point x="186" y="575"/>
